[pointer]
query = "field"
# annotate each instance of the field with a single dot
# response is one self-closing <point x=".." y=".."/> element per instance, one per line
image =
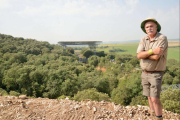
<point x="130" y="48"/>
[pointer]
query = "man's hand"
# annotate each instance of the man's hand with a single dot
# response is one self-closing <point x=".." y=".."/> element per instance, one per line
<point x="158" y="51"/>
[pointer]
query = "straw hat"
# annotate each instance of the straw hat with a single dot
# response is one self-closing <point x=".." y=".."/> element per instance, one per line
<point x="150" y="19"/>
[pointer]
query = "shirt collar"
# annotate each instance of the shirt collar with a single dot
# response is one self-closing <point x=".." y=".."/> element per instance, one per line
<point x="155" y="38"/>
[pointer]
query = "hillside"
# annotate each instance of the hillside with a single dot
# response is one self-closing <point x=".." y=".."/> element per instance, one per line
<point x="39" y="69"/>
<point x="12" y="108"/>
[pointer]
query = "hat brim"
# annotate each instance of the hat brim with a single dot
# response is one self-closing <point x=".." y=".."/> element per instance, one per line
<point x="144" y="22"/>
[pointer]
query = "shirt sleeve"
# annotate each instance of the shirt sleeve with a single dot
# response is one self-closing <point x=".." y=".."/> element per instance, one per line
<point x="163" y="43"/>
<point x="141" y="46"/>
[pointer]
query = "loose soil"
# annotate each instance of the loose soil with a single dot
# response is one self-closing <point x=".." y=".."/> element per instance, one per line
<point x="23" y="108"/>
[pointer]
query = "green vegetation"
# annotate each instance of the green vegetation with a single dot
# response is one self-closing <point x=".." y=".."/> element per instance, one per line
<point x="131" y="48"/>
<point x="170" y="100"/>
<point x="91" y="94"/>
<point x="39" y="69"/>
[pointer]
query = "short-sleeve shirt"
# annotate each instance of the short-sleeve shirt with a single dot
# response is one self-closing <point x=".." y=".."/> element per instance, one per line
<point x="146" y="44"/>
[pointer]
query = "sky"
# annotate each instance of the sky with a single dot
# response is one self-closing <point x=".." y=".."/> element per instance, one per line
<point x="86" y="20"/>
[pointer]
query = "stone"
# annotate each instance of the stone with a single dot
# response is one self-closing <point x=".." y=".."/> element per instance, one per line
<point x="66" y="98"/>
<point x="76" y="107"/>
<point x="139" y="106"/>
<point x="94" y="110"/>
<point x="22" y="97"/>
<point x="28" y="102"/>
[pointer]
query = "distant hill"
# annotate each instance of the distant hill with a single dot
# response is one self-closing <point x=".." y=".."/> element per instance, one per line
<point x="12" y="44"/>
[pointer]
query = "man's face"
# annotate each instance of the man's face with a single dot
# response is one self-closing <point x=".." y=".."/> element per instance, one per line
<point x="151" y="28"/>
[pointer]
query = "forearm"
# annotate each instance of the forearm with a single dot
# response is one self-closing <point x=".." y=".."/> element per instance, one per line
<point x="143" y="55"/>
<point x="153" y="57"/>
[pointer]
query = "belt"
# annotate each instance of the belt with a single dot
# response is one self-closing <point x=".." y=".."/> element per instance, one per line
<point x="150" y="72"/>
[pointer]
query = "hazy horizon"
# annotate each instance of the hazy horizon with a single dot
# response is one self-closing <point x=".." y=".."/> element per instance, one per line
<point x="86" y="20"/>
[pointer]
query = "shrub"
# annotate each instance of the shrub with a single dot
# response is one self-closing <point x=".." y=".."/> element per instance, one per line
<point x="139" y="100"/>
<point x="170" y="100"/>
<point x="91" y="94"/>
<point x="14" y="93"/>
<point x="63" y="97"/>
<point x="167" y="79"/>
<point x="3" y="92"/>
<point x="176" y="80"/>
<point x="121" y="95"/>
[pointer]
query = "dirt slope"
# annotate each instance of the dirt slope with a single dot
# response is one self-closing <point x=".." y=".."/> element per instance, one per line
<point x="23" y="108"/>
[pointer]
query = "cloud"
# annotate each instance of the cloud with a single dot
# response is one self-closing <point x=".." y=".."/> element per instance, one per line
<point x="169" y="20"/>
<point x="80" y="7"/>
<point x="131" y="4"/>
<point x="4" y="4"/>
<point x="68" y="8"/>
<point x="165" y="15"/>
<point x="100" y="8"/>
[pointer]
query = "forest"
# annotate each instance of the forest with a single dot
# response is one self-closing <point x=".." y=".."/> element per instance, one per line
<point x="39" y="69"/>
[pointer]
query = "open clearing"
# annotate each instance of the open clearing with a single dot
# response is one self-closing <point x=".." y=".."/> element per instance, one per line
<point x="131" y="48"/>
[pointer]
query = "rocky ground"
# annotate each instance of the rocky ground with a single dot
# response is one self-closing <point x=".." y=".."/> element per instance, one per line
<point x="23" y="108"/>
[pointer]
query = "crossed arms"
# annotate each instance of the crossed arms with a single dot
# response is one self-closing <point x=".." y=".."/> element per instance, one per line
<point x="157" y="52"/>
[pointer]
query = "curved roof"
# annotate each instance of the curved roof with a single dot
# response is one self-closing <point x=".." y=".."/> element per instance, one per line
<point x="79" y="42"/>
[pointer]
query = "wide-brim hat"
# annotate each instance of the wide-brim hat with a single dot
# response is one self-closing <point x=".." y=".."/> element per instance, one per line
<point x="150" y="19"/>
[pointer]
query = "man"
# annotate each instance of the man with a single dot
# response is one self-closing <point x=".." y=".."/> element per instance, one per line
<point x="152" y="51"/>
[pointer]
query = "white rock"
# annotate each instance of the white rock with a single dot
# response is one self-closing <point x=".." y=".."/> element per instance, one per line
<point x="22" y="97"/>
<point x="2" y="105"/>
<point x="94" y="109"/>
<point x="128" y="107"/>
<point x="139" y="105"/>
<point x="76" y="107"/>
<point x="28" y="102"/>
<point x="67" y="98"/>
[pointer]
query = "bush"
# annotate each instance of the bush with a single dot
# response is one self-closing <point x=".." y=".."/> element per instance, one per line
<point x="172" y="106"/>
<point x="93" y="60"/>
<point x="91" y="94"/>
<point x="88" y="53"/>
<point x="63" y="97"/>
<point x="176" y="80"/>
<point x="121" y="95"/>
<point x="170" y="100"/>
<point x="139" y="100"/>
<point x="3" y="92"/>
<point x="14" y="93"/>
<point x="167" y="79"/>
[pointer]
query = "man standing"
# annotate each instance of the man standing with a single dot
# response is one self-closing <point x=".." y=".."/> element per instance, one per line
<point x="152" y="51"/>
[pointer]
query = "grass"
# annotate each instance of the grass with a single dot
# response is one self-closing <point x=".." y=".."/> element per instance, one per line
<point x="131" y="48"/>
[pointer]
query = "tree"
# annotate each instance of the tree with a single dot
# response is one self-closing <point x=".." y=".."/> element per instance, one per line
<point x="88" y="53"/>
<point x="102" y="85"/>
<point x="69" y="87"/>
<point x="10" y="78"/>
<point x="93" y="60"/>
<point x="167" y="79"/>
<point x="176" y="80"/>
<point x="100" y="54"/>
<point x="135" y="62"/>
<point x="121" y="95"/>
<point x="70" y="49"/>
<point x="170" y="100"/>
